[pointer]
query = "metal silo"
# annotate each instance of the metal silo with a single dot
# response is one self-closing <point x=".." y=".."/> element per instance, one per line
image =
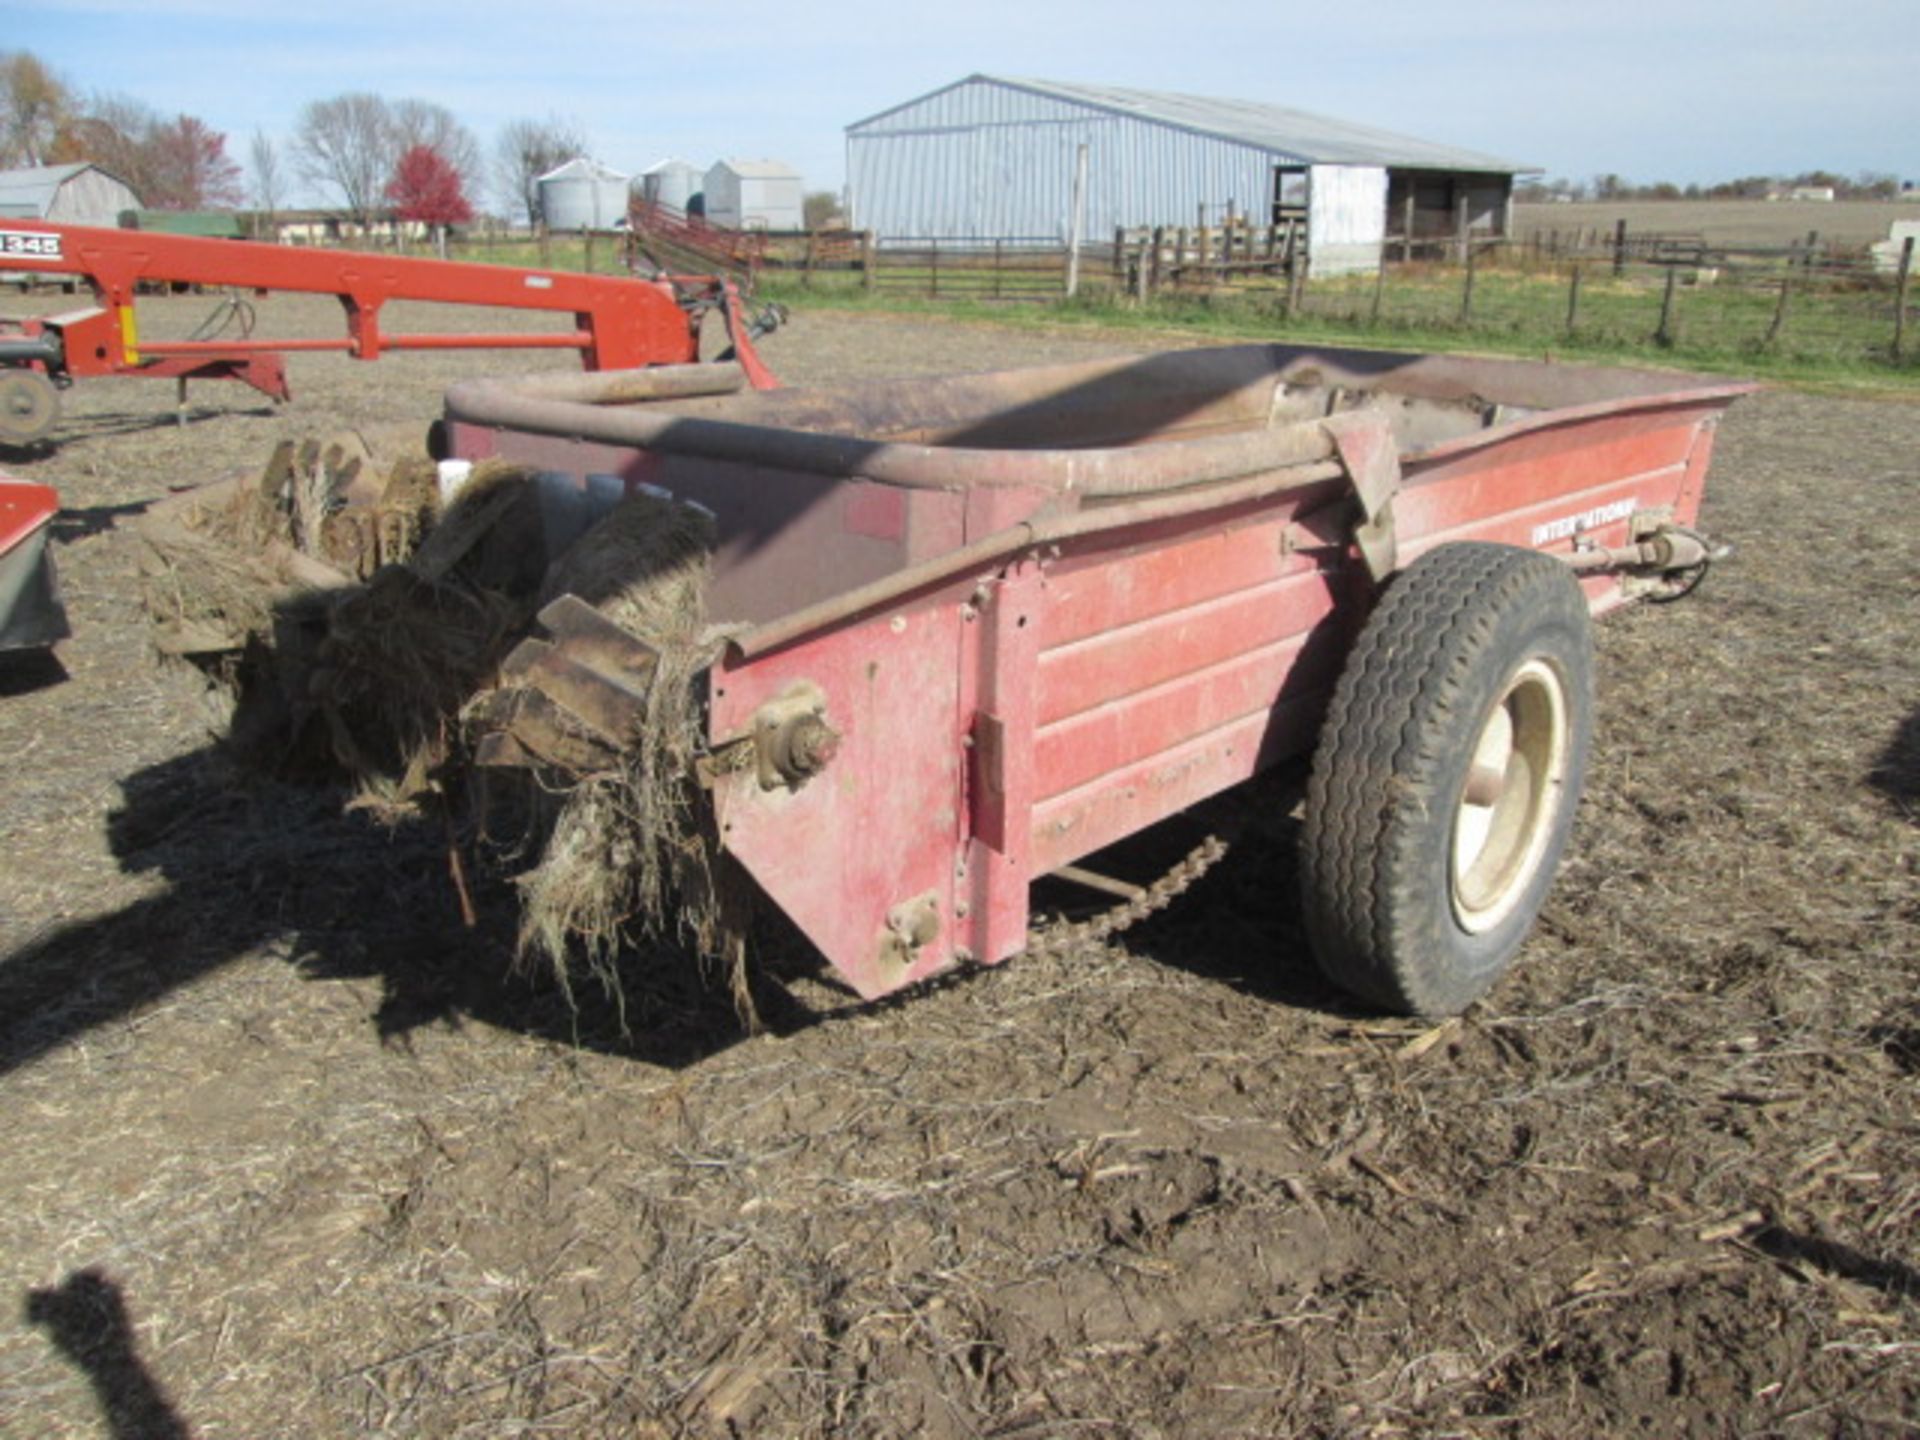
<point x="582" y="195"/>
<point x="671" y="183"/>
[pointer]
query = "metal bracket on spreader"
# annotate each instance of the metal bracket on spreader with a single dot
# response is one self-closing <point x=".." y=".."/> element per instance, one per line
<point x="1366" y="445"/>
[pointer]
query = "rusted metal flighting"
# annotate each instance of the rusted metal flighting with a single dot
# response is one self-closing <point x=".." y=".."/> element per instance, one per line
<point x="576" y="698"/>
<point x="570" y="702"/>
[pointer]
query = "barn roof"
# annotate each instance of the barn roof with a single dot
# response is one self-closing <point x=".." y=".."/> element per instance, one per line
<point x="1289" y="134"/>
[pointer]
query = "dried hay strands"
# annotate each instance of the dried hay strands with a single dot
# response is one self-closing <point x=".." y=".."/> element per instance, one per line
<point x="634" y="850"/>
<point x="406" y="652"/>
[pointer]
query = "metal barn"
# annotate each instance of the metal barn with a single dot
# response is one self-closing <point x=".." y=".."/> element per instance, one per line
<point x="80" y="194"/>
<point x="992" y="158"/>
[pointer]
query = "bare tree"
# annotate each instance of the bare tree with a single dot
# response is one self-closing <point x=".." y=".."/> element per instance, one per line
<point x="421" y="122"/>
<point x="269" y="185"/>
<point x="346" y="143"/>
<point x="35" y="107"/>
<point x="114" y="132"/>
<point x="526" y="150"/>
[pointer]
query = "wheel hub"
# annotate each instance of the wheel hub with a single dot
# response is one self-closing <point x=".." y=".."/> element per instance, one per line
<point x="1514" y="789"/>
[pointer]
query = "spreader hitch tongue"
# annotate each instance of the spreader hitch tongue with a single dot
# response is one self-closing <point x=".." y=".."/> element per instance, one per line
<point x="1665" y="563"/>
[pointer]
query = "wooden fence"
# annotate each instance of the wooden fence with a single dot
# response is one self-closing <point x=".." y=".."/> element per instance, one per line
<point x="1605" y="285"/>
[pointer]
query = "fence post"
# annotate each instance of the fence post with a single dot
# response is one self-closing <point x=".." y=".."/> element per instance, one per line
<point x="1159" y="239"/>
<point x="1296" y="280"/>
<point x="1119" y="257"/>
<point x="1900" y="300"/>
<point x="933" y="266"/>
<point x="1406" y="229"/>
<point x="1078" y="221"/>
<point x="545" y="242"/>
<point x="869" y="255"/>
<point x="1206" y="252"/>
<point x="1664" y="335"/>
<point x="586" y="249"/>
<point x="1460" y="229"/>
<point x="1379" y="284"/>
<point x="1619" y="248"/>
<point x="996" y="269"/>
<point x="1466" y="291"/>
<point x="1779" y="325"/>
<point x="1573" y="300"/>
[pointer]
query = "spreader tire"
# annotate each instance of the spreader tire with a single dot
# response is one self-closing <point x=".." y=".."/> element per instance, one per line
<point x="1446" y="778"/>
<point x="29" y="407"/>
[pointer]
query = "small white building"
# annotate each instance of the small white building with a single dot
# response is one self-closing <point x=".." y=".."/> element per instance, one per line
<point x="79" y="194"/>
<point x="755" y="194"/>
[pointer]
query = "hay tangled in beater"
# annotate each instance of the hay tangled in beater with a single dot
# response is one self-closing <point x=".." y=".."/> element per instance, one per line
<point x="362" y="626"/>
<point x="405" y="653"/>
<point x="634" y="850"/>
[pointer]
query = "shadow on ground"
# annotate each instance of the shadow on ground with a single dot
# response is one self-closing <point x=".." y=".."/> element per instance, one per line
<point x="86" y="1316"/>
<point x="1897" y="773"/>
<point x="24" y="671"/>
<point x="260" y="865"/>
<point x="257" y="865"/>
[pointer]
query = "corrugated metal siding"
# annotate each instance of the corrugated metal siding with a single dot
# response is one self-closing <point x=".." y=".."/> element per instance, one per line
<point x="982" y="161"/>
<point x="722" y="196"/>
<point x="92" y="197"/>
<point x="772" y="200"/>
<point x="742" y="195"/>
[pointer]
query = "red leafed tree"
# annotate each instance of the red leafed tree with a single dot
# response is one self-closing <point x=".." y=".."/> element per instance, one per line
<point x="425" y="188"/>
<point x="189" y="168"/>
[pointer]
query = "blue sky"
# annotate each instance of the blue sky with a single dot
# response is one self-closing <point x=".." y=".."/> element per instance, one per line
<point x="1689" y="90"/>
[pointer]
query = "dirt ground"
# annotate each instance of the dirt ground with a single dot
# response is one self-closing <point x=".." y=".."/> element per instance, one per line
<point x="288" y="1152"/>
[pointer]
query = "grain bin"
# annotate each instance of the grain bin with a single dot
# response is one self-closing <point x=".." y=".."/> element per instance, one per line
<point x="582" y="194"/>
<point x="671" y="183"/>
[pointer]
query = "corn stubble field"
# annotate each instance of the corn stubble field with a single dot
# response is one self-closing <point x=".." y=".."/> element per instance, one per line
<point x="289" y="1151"/>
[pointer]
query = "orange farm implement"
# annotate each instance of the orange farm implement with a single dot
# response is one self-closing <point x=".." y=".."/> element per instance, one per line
<point x="618" y="322"/>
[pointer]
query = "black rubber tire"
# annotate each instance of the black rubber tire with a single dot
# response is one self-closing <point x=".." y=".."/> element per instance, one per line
<point x="29" y="407"/>
<point x="1466" y="628"/>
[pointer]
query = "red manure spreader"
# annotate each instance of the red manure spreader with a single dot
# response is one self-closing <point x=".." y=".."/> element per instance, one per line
<point x="976" y="628"/>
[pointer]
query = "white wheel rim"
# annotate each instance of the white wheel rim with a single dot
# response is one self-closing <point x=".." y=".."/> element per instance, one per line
<point x="1515" y="785"/>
